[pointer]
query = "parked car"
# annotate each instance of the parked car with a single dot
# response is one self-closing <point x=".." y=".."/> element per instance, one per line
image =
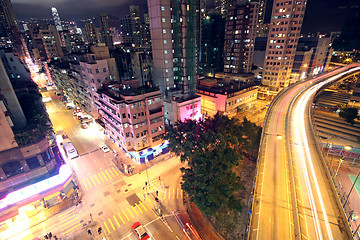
<point x="140" y="231"/>
<point x="84" y="125"/>
<point x="105" y="148"/>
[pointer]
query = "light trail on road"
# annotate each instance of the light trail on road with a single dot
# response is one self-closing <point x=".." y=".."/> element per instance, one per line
<point x="292" y="196"/>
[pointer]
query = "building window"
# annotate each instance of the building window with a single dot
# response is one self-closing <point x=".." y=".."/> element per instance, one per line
<point x="162" y="8"/>
<point x="97" y="70"/>
<point x="165" y="51"/>
<point x="163" y="19"/>
<point x="104" y="69"/>
<point x="164" y="30"/>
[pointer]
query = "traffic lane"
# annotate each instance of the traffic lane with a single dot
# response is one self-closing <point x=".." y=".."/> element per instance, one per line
<point x="317" y="201"/>
<point x="85" y="140"/>
<point x="158" y="230"/>
<point x="325" y="195"/>
<point x="273" y="194"/>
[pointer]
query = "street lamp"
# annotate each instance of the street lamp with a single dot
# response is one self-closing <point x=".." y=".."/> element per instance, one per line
<point x="340" y="162"/>
<point x="348" y="148"/>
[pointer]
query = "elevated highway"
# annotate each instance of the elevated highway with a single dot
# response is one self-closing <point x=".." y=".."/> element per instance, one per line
<point x="294" y="197"/>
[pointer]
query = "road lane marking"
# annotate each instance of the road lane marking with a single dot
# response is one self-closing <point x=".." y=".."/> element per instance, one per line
<point x="121" y="218"/>
<point x="151" y="209"/>
<point x="104" y="176"/>
<point x="69" y="230"/>
<point x="134" y="210"/>
<point x="108" y="175"/>
<point x="130" y="213"/>
<point x="106" y="227"/>
<point x="143" y="206"/>
<point x="101" y="177"/>
<point x="97" y="179"/>
<point x="117" y="174"/>
<point x="125" y="215"/>
<point x="116" y="221"/>
<point x="72" y="221"/>
<point x="111" y="224"/>
<point x="139" y="208"/>
<point x="93" y="181"/>
<point x="89" y="182"/>
<point x="112" y="173"/>
<point x="85" y="185"/>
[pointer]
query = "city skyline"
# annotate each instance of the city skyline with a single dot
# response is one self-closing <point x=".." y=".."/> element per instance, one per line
<point x="319" y="15"/>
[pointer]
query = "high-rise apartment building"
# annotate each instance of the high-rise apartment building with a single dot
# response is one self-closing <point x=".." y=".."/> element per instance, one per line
<point x="56" y="18"/>
<point x="105" y="33"/>
<point x="91" y="34"/>
<point x="17" y="115"/>
<point x="240" y="33"/>
<point x="212" y="43"/>
<point x="135" y="24"/>
<point x="284" y="32"/>
<point x="174" y="27"/>
<point x="146" y="37"/>
<point x="260" y="32"/>
<point x="126" y="32"/>
<point x="9" y="28"/>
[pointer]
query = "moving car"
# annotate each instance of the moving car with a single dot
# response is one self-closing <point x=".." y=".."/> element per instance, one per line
<point x="84" y="125"/>
<point x="105" y="148"/>
<point x="140" y="231"/>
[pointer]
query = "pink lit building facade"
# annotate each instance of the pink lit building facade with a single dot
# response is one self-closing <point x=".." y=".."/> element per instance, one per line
<point x="134" y="120"/>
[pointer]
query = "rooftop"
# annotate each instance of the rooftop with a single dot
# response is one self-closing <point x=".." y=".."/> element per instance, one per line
<point x="116" y="90"/>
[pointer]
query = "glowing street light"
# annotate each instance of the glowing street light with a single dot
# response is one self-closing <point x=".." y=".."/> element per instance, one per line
<point x="348" y="148"/>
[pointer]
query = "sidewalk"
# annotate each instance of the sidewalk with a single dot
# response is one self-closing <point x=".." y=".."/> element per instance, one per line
<point x="127" y="165"/>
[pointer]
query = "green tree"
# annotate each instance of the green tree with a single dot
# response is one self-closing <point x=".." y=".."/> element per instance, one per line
<point x="251" y="135"/>
<point x="349" y="114"/>
<point x="211" y="149"/>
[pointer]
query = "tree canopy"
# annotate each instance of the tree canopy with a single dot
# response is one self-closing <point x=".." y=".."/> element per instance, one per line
<point x="212" y="148"/>
<point x="349" y="114"/>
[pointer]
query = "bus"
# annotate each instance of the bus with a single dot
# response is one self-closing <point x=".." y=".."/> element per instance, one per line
<point x="70" y="150"/>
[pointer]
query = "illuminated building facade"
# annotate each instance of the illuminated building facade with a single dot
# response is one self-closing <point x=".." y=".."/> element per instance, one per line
<point x="174" y="27"/>
<point x="228" y="98"/>
<point x="56" y="18"/>
<point x="240" y="33"/>
<point x="284" y="32"/>
<point x="133" y="118"/>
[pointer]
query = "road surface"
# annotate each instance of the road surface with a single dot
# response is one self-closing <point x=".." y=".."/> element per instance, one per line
<point x="292" y="196"/>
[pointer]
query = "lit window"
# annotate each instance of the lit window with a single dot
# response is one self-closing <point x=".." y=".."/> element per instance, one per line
<point x="164" y="41"/>
<point x="164" y="30"/>
<point x="163" y="19"/>
<point x="162" y="8"/>
<point x="165" y="52"/>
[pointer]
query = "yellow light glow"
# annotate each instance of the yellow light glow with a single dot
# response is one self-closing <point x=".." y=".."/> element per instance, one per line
<point x="348" y="148"/>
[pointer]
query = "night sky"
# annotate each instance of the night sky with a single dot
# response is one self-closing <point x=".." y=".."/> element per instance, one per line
<point x="322" y="16"/>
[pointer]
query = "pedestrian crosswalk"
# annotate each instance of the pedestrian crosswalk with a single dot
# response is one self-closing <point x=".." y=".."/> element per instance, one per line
<point x="157" y="185"/>
<point x="69" y="221"/>
<point x="100" y="178"/>
<point x="126" y="215"/>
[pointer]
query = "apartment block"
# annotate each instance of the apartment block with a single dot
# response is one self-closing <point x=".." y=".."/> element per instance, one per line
<point x="240" y="33"/>
<point x="175" y="35"/>
<point x="133" y="118"/>
<point x="284" y="33"/>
